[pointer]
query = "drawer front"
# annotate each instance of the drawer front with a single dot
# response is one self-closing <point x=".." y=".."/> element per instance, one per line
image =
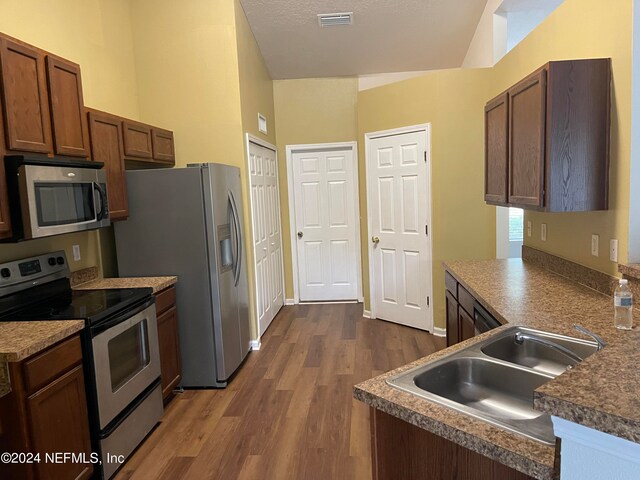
<point x="451" y="284"/>
<point x="165" y="300"/>
<point x="46" y="367"/>
<point x="466" y="300"/>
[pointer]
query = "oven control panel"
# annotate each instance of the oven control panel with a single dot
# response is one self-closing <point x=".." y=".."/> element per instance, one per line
<point x="14" y="275"/>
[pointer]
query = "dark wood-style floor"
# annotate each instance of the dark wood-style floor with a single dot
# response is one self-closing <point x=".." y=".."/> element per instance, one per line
<point x="289" y="413"/>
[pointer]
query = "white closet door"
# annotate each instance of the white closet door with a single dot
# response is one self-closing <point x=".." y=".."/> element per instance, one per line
<point x="398" y="192"/>
<point x="265" y="210"/>
<point x="324" y="195"/>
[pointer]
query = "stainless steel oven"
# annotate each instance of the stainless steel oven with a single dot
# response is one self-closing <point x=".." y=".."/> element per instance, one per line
<point x="126" y="360"/>
<point x="52" y="196"/>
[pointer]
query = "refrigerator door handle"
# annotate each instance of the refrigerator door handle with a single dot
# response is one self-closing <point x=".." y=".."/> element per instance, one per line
<point x="238" y="238"/>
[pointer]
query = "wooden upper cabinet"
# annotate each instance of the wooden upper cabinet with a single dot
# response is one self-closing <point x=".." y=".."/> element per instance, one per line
<point x="69" y="123"/>
<point x="163" y="147"/>
<point x="557" y="139"/>
<point x="578" y="135"/>
<point x="25" y="101"/>
<point x="107" y="147"/>
<point x="137" y="140"/>
<point x="527" y="110"/>
<point x="5" y="219"/>
<point x="496" y="155"/>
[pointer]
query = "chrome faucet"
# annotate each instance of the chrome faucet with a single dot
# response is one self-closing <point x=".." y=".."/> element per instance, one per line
<point x="520" y="337"/>
<point x="601" y="343"/>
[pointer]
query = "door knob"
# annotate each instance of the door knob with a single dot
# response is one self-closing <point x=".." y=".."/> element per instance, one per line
<point x="375" y="240"/>
<point x="300" y="234"/>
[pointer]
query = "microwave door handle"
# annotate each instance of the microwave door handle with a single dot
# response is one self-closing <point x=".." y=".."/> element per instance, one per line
<point x="101" y="214"/>
<point x="238" y="238"/>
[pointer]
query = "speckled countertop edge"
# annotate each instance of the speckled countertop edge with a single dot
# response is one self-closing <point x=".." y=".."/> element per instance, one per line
<point x="19" y="340"/>
<point x="156" y="283"/>
<point x="590" y="394"/>
<point x="522" y="294"/>
<point x="516" y="451"/>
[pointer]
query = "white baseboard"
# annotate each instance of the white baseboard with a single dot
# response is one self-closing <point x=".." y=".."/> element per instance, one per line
<point x="366" y="313"/>
<point x="255" y="344"/>
<point x="289" y="301"/>
<point x="439" y="332"/>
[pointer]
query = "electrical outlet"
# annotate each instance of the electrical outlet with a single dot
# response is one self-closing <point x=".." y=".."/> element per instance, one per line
<point x="528" y="228"/>
<point x="595" y="244"/>
<point x="543" y="232"/>
<point x="613" y="250"/>
<point x="76" y="253"/>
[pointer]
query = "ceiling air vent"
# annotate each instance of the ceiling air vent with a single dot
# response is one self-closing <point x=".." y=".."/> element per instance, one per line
<point x="329" y="19"/>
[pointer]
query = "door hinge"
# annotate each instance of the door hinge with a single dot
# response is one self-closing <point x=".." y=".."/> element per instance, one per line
<point x="425" y="156"/>
<point x="426" y="230"/>
<point x="428" y="300"/>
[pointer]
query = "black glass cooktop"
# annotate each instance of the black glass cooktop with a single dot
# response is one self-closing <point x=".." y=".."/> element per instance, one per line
<point x="91" y="305"/>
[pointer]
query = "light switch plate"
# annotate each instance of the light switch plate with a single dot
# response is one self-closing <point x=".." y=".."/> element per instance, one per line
<point x="76" y="253"/>
<point x="595" y="244"/>
<point x="528" y="228"/>
<point x="543" y="232"/>
<point x="613" y="250"/>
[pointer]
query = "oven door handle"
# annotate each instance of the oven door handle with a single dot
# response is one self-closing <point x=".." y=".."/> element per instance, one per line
<point x="101" y="327"/>
<point x="102" y="196"/>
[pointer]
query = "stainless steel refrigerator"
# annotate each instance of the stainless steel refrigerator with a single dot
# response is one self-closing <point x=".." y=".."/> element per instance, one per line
<point x="188" y="222"/>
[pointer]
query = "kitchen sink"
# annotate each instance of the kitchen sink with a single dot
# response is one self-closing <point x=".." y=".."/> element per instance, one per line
<point x="541" y="352"/>
<point x="494" y="380"/>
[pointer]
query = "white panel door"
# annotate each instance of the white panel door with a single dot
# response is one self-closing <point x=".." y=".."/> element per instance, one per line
<point x="265" y="210"/>
<point x="324" y="196"/>
<point x="398" y="199"/>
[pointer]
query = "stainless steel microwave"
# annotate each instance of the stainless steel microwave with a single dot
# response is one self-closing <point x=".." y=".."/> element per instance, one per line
<point x="54" y="196"/>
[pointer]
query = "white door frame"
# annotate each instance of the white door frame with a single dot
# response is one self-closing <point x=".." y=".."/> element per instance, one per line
<point x="262" y="143"/>
<point x="290" y="149"/>
<point x="426" y="128"/>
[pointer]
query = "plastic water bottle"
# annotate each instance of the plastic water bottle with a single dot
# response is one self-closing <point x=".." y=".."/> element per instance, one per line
<point x="623" y="303"/>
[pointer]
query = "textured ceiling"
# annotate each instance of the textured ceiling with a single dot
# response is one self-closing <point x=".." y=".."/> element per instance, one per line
<point x="387" y="36"/>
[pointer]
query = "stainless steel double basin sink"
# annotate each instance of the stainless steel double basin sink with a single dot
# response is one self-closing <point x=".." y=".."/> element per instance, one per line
<point x="494" y="380"/>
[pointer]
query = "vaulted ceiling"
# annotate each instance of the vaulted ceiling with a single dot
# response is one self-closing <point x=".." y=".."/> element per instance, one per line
<point x="385" y="37"/>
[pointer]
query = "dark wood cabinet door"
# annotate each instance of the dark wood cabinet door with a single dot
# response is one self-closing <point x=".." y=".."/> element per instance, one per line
<point x="59" y="422"/>
<point x="496" y="154"/>
<point x="467" y="326"/>
<point x="401" y="450"/>
<point x="163" y="146"/>
<point x="25" y="104"/>
<point x="168" y="342"/>
<point x="69" y="122"/>
<point x="5" y="219"/>
<point x="453" y="333"/>
<point x="137" y="140"/>
<point x="527" y="120"/>
<point x="107" y="147"/>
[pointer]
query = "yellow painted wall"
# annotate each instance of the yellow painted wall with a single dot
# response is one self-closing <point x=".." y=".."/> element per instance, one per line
<point x="97" y="35"/>
<point x="256" y="86"/>
<point x="452" y="101"/>
<point x="463" y="226"/>
<point x="317" y="110"/>
<point x="187" y="76"/>
<point x="584" y="29"/>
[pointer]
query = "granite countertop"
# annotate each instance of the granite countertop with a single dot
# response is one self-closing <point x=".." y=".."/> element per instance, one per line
<point x="156" y="283"/>
<point x="600" y="393"/>
<point x="19" y="340"/>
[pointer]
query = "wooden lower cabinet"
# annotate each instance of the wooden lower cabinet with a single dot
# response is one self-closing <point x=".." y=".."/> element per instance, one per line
<point x="168" y="342"/>
<point x="46" y="412"/>
<point x="453" y="335"/>
<point x="400" y="450"/>
<point x="466" y="326"/>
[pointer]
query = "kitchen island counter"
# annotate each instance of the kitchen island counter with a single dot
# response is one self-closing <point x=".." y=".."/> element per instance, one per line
<point x="522" y="293"/>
